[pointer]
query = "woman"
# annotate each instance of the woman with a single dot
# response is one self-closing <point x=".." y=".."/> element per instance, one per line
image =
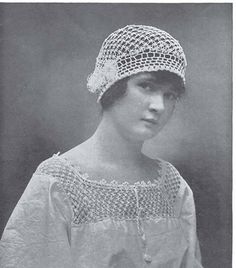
<point x="104" y="203"/>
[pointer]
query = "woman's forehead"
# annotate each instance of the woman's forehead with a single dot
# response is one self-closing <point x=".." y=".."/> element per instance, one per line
<point x="144" y="75"/>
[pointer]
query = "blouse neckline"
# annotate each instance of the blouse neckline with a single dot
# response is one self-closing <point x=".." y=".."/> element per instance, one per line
<point x="114" y="183"/>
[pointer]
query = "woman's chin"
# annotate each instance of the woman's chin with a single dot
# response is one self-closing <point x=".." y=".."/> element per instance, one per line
<point x="145" y="134"/>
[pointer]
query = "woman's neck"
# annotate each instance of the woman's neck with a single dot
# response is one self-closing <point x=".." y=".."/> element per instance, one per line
<point x="113" y="146"/>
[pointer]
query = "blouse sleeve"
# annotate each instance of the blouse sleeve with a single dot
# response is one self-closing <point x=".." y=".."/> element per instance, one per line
<point x="188" y="223"/>
<point x="38" y="231"/>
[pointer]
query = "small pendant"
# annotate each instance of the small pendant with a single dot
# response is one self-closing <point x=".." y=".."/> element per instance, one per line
<point x="147" y="258"/>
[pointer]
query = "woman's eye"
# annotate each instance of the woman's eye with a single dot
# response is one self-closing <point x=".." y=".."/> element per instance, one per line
<point x="146" y="86"/>
<point x="170" y="96"/>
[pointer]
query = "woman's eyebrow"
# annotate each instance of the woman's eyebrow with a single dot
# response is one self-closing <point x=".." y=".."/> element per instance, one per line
<point x="145" y="79"/>
<point x="153" y="81"/>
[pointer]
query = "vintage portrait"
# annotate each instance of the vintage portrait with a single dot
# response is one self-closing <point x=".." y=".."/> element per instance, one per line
<point x="116" y="135"/>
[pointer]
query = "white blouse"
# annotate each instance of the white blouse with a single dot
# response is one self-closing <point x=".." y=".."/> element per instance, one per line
<point x="65" y="220"/>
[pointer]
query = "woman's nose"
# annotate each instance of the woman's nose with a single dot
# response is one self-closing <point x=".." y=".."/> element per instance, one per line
<point x="157" y="103"/>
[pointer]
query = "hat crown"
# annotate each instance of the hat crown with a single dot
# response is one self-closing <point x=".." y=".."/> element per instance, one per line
<point x="133" y="49"/>
<point x="133" y="39"/>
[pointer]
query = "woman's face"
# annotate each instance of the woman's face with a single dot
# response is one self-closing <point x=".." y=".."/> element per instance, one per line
<point x="145" y="108"/>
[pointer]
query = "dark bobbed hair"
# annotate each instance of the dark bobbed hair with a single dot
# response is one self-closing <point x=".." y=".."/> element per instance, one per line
<point x="118" y="89"/>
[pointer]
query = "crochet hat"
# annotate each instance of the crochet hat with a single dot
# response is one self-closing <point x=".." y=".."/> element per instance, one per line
<point x="134" y="49"/>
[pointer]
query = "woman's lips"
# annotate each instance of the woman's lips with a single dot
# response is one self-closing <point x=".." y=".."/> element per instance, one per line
<point x="150" y="120"/>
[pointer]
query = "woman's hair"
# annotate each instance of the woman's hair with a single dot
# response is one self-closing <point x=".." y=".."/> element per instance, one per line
<point x="118" y="89"/>
<point x="115" y="92"/>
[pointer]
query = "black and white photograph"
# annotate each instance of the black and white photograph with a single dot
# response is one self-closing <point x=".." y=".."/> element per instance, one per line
<point x="116" y="135"/>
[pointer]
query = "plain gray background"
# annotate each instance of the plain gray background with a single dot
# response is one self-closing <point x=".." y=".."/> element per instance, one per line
<point x="47" y="51"/>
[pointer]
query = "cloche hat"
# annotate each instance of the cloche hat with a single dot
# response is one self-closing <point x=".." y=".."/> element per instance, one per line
<point x="133" y="49"/>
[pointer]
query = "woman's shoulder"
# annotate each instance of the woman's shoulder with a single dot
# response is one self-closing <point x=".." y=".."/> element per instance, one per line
<point x="63" y="174"/>
<point x="170" y="170"/>
<point x="174" y="178"/>
<point x="55" y="166"/>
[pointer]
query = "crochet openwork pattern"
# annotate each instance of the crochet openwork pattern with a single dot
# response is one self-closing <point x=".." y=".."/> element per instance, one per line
<point x="94" y="201"/>
<point x="134" y="49"/>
